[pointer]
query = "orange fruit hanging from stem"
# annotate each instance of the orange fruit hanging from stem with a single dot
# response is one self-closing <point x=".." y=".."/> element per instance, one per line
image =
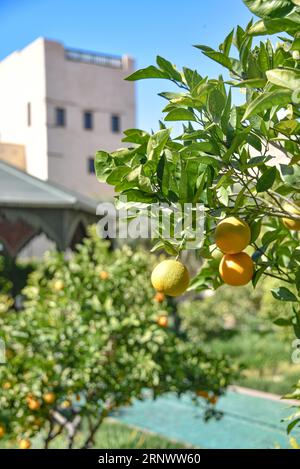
<point x="236" y="269"/>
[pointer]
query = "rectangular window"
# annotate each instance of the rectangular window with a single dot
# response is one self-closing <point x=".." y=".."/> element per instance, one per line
<point x="29" y="114"/>
<point x="88" y="120"/>
<point x="60" y="117"/>
<point x="115" y="124"/>
<point x="91" y="166"/>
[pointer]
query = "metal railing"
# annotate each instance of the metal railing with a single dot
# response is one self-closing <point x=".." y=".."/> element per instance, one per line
<point x="95" y="58"/>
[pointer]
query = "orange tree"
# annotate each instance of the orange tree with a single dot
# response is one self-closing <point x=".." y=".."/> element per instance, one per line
<point x="240" y="161"/>
<point x="92" y="337"/>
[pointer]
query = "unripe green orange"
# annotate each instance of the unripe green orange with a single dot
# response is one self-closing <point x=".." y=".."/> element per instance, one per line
<point x="170" y="277"/>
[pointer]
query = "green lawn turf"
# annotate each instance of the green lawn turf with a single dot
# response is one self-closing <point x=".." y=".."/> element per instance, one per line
<point x="113" y="435"/>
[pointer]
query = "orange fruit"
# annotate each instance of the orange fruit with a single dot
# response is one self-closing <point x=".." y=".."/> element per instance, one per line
<point x="24" y="444"/>
<point x="203" y="394"/>
<point x="6" y="385"/>
<point x="232" y="235"/>
<point x="33" y="403"/>
<point x="38" y="422"/>
<point x="170" y="277"/>
<point x="49" y="397"/>
<point x="213" y="400"/>
<point x="65" y="404"/>
<point x="103" y="275"/>
<point x="58" y="285"/>
<point x="2" y="431"/>
<point x="236" y="269"/>
<point x="289" y="223"/>
<point x="159" y="297"/>
<point x="162" y="320"/>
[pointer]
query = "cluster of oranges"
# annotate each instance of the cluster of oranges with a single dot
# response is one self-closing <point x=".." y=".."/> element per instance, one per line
<point x="24" y="443"/>
<point x="232" y="236"/>
<point x="58" y="284"/>
<point x="33" y="404"/>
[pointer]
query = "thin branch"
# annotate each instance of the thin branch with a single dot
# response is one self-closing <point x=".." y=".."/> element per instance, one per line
<point x="93" y="430"/>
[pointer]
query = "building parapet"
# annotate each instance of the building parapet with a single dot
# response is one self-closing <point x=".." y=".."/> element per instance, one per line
<point x="105" y="60"/>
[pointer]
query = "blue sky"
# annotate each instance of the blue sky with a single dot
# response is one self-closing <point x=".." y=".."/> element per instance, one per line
<point x="141" y="28"/>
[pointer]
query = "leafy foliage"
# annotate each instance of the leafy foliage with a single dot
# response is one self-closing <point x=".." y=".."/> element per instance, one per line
<point x="242" y="323"/>
<point x="13" y="275"/>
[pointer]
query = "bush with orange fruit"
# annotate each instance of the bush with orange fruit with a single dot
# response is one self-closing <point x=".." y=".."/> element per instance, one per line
<point x="93" y="347"/>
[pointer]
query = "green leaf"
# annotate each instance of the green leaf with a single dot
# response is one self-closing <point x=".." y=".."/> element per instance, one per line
<point x="269" y="8"/>
<point x="223" y="195"/>
<point x="283" y="322"/>
<point x="285" y="78"/>
<point x="258" y="28"/>
<point x="245" y="53"/>
<point x="148" y="72"/>
<point x="180" y="114"/>
<point x="273" y="26"/>
<point x="254" y="141"/>
<point x="292" y="424"/>
<point x="216" y="56"/>
<point x="297" y="280"/>
<point x="207" y="147"/>
<point x="168" y="68"/>
<point x="166" y="245"/>
<point x="277" y="25"/>
<point x="226" y="45"/>
<point x="117" y="174"/>
<point x="192" y="77"/>
<point x="258" y="161"/>
<point x="257" y="275"/>
<point x="266" y="101"/>
<point x="135" y="136"/>
<point x="239" y="138"/>
<point x="255" y="230"/>
<point x="263" y="58"/>
<point x="216" y="104"/>
<point x="157" y="143"/>
<point x="225" y="124"/>
<point x="288" y="127"/>
<point x="135" y="195"/>
<point x="251" y="83"/>
<point x="283" y="294"/>
<point x="267" y="179"/>
<point x="240" y="199"/>
<point x="102" y="165"/>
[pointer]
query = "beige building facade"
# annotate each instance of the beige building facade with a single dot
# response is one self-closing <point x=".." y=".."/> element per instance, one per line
<point x="61" y="105"/>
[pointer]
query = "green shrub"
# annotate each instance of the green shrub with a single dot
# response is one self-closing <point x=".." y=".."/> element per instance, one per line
<point x="14" y="274"/>
<point x="89" y="335"/>
<point x="239" y="322"/>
